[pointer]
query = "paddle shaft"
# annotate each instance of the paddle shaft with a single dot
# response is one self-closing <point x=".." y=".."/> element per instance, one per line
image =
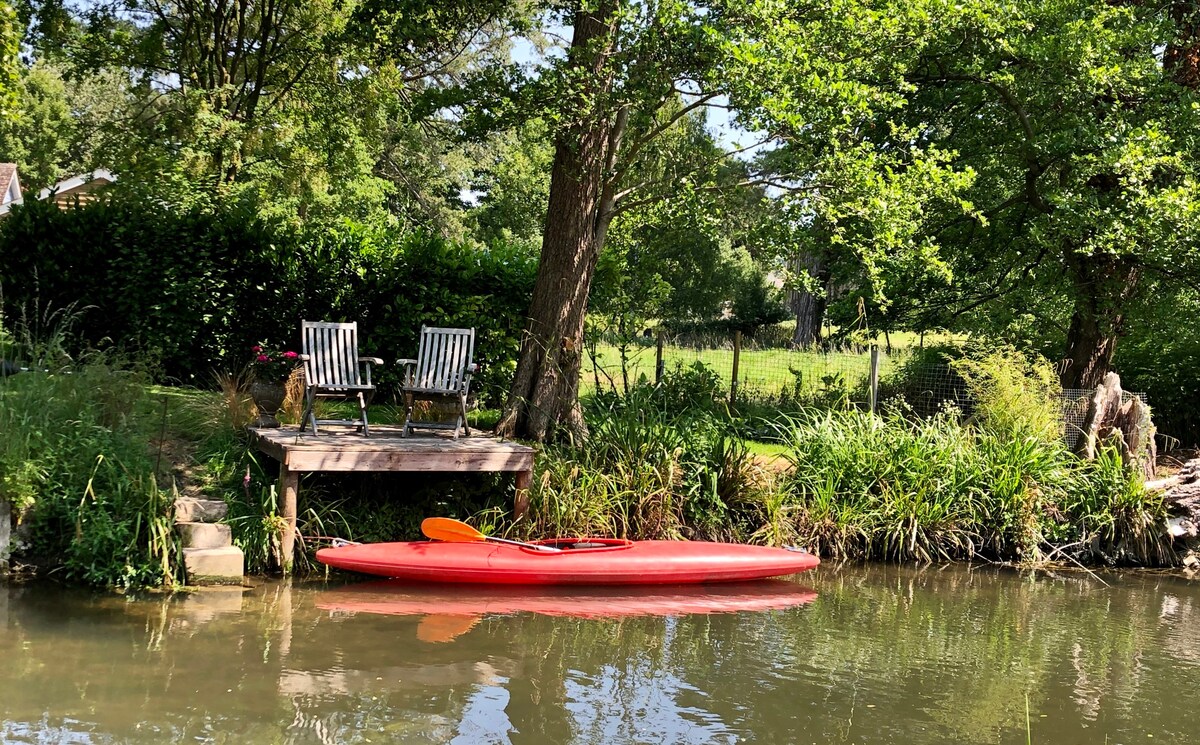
<point x="535" y="546"/>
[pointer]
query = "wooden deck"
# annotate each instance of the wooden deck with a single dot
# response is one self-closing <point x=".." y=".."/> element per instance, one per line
<point x="343" y="449"/>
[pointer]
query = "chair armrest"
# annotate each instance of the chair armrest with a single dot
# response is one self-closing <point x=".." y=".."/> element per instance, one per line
<point x="304" y="357"/>
<point x="410" y="371"/>
<point x="466" y="378"/>
<point x="372" y="360"/>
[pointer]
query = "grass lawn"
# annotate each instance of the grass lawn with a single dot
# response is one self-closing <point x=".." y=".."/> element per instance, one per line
<point x="763" y="373"/>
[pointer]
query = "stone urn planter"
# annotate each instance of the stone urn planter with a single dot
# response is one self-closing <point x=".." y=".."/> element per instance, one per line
<point x="268" y="398"/>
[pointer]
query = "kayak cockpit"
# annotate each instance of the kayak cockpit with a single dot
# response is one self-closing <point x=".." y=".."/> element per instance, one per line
<point x="581" y="545"/>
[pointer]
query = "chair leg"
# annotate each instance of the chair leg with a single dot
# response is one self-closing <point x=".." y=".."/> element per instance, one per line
<point x="462" y="407"/>
<point x="309" y="416"/>
<point x="408" y="418"/>
<point x="362" y="412"/>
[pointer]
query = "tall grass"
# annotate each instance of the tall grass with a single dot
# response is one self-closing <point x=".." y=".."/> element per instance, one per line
<point x="1002" y="485"/>
<point x="666" y="462"/>
<point x="660" y="463"/>
<point x="77" y="461"/>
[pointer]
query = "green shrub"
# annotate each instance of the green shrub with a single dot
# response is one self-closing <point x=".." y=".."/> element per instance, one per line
<point x="900" y="489"/>
<point x="193" y="290"/>
<point x="1159" y="359"/>
<point x="1013" y="394"/>
<point x="925" y="381"/>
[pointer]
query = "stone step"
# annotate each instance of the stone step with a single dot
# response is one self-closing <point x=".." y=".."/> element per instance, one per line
<point x="214" y="566"/>
<point x="204" y="535"/>
<point x="192" y="510"/>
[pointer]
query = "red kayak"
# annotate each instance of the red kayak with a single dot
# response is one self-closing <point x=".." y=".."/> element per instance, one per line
<point x="585" y="561"/>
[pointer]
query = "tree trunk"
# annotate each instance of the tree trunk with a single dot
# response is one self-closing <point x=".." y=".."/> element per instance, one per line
<point x="809" y="308"/>
<point x="1182" y="56"/>
<point x="544" y="399"/>
<point x="1125" y="425"/>
<point x="1103" y="285"/>
<point x="1089" y="349"/>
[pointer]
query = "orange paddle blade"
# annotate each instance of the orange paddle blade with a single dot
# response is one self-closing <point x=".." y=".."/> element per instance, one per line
<point x="447" y="529"/>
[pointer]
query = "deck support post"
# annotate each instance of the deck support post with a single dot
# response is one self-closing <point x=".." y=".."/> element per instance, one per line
<point x="521" y="497"/>
<point x="290" y="483"/>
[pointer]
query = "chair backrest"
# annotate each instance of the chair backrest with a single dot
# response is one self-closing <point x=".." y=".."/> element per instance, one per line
<point x="444" y="357"/>
<point x="332" y="350"/>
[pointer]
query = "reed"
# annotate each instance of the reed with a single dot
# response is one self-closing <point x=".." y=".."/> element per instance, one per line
<point x="651" y="467"/>
<point x="77" y="463"/>
<point x="889" y="488"/>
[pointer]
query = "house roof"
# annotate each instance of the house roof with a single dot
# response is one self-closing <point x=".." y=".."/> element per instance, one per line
<point x="67" y="192"/>
<point x="8" y="175"/>
<point x="80" y="184"/>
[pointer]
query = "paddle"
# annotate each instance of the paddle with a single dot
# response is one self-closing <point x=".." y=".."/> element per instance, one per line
<point x="447" y="529"/>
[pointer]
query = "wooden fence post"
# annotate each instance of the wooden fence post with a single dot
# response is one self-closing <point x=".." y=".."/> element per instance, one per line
<point x="737" y="355"/>
<point x="658" y="358"/>
<point x="873" y="379"/>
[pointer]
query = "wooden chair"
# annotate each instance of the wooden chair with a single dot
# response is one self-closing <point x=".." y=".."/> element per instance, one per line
<point x="331" y="370"/>
<point x="442" y="371"/>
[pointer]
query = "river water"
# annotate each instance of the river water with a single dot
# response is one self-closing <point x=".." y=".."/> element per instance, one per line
<point x="841" y="655"/>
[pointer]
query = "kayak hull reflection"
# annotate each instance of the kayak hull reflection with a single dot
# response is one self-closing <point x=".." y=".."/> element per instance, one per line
<point x="402" y="598"/>
<point x="590" y="561"/>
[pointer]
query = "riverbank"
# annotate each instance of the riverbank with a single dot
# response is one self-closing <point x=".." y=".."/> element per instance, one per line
<point x="101" y="456"/>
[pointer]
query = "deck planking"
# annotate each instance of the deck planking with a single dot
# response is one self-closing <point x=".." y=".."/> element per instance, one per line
<point x="341" y="449"/>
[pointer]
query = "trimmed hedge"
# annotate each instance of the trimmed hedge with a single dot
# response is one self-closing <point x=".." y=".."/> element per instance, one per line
<point x="191" y="291"/>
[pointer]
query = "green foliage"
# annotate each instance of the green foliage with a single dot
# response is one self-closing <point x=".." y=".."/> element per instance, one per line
<point x="896" y="489"/>
<point x="1159" y="359"/>
<point x="428" y="281"/>
<point x="194" y="290"/>
<point x="1084" y="146"/>
<point x="659" y="463"/>
<point x="10" y="47"/>
<point x="38" y="139"/>
<point x="311" y="111"/>
<point x="514" y="181"/>
<point x="1014" y="395"/>
<point x="687" y="260"/>
<point x="77" y="464"/>
<point x="915" y="381"/>
<point x="663" y="461"/>
<point x="1002" y="484"/>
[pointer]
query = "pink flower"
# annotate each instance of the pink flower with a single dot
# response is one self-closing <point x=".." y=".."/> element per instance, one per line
<point x="290" y="355"/>
<point x="256" y="348"/>
<point x="263" y="358"/>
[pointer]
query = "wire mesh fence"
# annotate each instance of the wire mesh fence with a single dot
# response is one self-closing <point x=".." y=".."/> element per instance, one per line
<point x="764" y="374"/>
<point x="767" y="372"/>
<point x="1074" y="410"/>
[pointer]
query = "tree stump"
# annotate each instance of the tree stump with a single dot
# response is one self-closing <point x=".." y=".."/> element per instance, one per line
<point x="1181" y="495"/>
<point x="1124" y="425"/>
